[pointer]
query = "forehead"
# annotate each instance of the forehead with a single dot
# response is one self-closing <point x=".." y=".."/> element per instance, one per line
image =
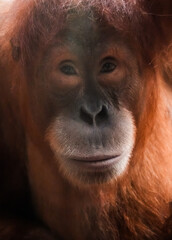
<point x="88" y="33"/>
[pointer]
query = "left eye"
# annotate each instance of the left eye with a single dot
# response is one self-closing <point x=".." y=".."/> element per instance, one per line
<point x="108" y="67"/>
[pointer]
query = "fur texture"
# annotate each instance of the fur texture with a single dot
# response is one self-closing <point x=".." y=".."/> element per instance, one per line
<point x="136" y="205"/>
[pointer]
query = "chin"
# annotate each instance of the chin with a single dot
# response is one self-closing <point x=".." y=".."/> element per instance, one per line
<point x="93" y="169"/>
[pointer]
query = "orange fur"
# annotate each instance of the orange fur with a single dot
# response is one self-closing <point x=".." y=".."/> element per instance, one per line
<point x="135" y="206"/>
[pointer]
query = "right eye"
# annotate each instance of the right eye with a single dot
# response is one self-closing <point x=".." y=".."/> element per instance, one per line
<point x="68" y="70"/>
<point x="108" y="67"/>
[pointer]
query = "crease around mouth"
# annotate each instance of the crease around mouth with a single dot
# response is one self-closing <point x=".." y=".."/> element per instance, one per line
<point x="94" y="158"/>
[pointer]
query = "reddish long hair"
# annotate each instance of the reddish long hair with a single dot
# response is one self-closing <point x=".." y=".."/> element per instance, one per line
<point x="136" y="205"/>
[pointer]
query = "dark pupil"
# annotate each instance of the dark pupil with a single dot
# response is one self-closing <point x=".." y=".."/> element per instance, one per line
<point x="68" y="70"/>
<point x="108" y="67"/>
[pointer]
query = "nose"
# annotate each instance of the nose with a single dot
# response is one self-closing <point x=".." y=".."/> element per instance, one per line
<point x="94" y="114"/>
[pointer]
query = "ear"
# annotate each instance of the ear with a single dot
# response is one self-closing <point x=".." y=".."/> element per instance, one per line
<point x="16" y="51"/>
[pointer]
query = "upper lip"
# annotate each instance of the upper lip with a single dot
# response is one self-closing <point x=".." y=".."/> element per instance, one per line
<point x="100" y="158"/>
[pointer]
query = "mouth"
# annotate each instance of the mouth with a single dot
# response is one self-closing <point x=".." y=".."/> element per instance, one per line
<point x="98" y="163"/>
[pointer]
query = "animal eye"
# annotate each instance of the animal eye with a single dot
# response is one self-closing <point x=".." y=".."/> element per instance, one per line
<point x="68" y="70"/>
<point x="108" y="67"/>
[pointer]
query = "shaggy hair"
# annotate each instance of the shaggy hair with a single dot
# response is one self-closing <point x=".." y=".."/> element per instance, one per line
<point x="135" y="206"/>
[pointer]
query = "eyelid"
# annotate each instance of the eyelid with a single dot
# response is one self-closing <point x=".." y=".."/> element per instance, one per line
<point x="67" y="62"/>
<point x="70" y="63"/>
<point x="109" y="58"/>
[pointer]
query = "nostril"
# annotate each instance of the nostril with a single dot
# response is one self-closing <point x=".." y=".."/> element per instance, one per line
<point x="85" y="116"/>
<point x="102" y="115"/>
<point x="96" y="117"/>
